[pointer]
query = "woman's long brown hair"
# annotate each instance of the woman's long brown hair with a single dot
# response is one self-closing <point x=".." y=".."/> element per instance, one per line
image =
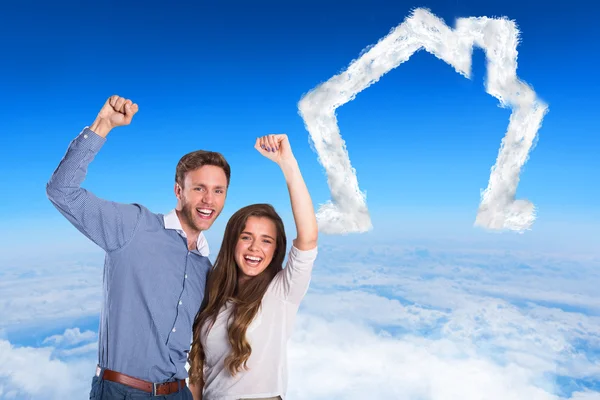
<point x="222" y="286"/>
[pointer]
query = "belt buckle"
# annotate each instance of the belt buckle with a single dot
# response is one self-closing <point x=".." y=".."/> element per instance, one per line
<point x="154" y="384"/>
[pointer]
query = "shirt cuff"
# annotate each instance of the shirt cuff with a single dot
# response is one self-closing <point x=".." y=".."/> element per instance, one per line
<point x="90" y="140"/>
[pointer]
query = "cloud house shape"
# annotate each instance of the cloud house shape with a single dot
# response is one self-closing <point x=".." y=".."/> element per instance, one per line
<point x="347" y="210"/>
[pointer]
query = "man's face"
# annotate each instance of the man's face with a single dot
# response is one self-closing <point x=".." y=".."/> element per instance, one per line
<point x="202" y="197"/>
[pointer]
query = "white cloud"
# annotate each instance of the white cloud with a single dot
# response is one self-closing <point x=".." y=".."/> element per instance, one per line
<point x="37" y="298"/>
<point x="371" y="308"/>
<point x="70" y="337"/>
<point x="62" y="368"/>
<point x="44" y="294"/>
<point x="403" y="328"/>
<point x="90" y="349"/>
<point x="385" y="322"/>
<point x="587" y="395"/>
<point x="33" y="373"/>
<point x="498" y="210"/>
<point x="346" y="360"/>
<point x="452" y="278"/>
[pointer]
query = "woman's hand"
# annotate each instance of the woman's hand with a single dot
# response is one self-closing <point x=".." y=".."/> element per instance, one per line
<point x="275" y="147"/>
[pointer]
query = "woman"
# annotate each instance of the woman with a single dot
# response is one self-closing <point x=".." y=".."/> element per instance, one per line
<point x="240" y="335"/>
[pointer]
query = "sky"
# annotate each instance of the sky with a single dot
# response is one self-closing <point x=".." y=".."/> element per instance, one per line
<point x="422" y="140"/>
<point x="216" y="76"/>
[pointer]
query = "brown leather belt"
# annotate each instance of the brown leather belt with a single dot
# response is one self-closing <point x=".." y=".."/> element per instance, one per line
<point x="157" y="389"/>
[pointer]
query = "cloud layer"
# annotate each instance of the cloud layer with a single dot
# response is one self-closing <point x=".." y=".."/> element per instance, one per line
<point x="49" y="372"/>
<point x="378" y="322"/>
<point x="447" y="325"/>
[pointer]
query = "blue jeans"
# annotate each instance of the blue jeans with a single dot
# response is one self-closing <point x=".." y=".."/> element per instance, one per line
<point x="107" y="390"/>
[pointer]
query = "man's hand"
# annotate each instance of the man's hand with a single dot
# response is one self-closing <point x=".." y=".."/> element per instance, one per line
<point x="117" y="111"/>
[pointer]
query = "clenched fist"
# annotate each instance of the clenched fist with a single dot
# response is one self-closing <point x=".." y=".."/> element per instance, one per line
<point x="117" y="111"/>
<point x="275" y="147"/>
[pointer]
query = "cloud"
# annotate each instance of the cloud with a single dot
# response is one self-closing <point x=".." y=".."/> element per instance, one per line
<point x="345" y="360"/>
<point x="73" y="343"/>
<point x="458" y="277"/>
<point x="61" y="368"/>
<point x="45" y="294"/>
<point x="374" y="310"/>
<point x="33" y="373"/>
<point x="398" y="322"/>
<point x="347" y="210"/>
<point x="391" y="323"/>
<point x="587" y="395"/>
<point x="70" y="337"/>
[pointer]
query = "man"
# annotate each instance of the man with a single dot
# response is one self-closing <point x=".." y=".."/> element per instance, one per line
<point x="155" y="267"/>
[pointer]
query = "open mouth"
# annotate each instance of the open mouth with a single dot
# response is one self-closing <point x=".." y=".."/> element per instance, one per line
<point x="205" y="213"/>
<point x="252" y="261"/>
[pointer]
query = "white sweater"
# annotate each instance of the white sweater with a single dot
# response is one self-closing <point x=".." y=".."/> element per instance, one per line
<point x="268" y="335"/>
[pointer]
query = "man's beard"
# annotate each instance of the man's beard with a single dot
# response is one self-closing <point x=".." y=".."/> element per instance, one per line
<point x="188" y="215"/>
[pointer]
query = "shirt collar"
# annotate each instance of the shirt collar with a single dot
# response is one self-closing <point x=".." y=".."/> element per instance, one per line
<point x="172" y="222"/>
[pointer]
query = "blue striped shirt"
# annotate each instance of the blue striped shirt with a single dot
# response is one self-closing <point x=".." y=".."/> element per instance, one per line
<point x="152" y="285"/>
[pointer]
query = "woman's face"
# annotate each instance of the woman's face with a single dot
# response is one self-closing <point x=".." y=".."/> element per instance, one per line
<point x="255" y="246"/>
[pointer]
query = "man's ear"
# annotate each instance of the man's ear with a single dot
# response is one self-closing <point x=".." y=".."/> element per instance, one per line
<point x="178" y="189"/>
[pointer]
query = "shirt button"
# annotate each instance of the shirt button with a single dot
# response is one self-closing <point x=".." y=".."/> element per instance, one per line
<point x="85" y="136"/>
<point x="185" y="276"/>
<point x="180" y="302"/>
<point x="174" y="329"/>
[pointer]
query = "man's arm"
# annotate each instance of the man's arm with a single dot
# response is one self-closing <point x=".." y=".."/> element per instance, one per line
<point x="108" y="224"/>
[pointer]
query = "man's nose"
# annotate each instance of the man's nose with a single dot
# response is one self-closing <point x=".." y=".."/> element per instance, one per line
<point x="207" y="198"/>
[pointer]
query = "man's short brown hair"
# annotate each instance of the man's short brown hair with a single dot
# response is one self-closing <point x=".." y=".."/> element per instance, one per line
<point x="200" y="158"/>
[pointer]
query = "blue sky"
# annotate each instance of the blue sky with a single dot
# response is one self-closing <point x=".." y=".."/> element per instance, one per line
<point x="430" y="306"/>
<point x="217" y="75"/>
